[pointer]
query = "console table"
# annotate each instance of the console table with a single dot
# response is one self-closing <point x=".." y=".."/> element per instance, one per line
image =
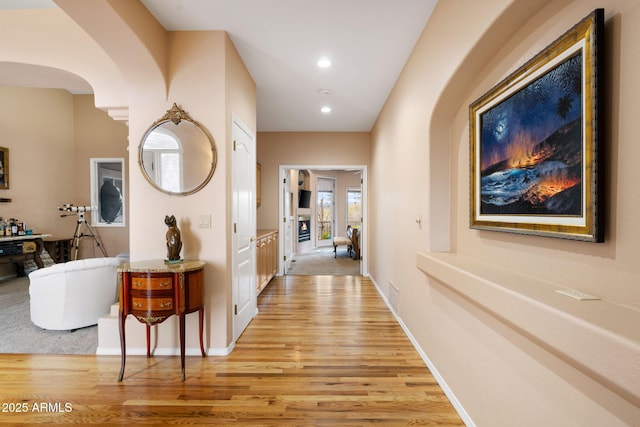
<point x="13" y="249"/>
<point x="153" y="291"/>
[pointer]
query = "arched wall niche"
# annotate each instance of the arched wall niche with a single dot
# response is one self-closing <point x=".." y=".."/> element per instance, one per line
<point x="443" y="169"/>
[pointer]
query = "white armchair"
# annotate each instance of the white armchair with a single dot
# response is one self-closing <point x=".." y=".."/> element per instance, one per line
<point x="74" y="294"/>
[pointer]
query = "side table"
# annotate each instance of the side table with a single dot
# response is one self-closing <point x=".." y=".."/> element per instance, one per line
<point x="58" y="249"/>
<point x="153" y="291"/>
<point x="12" y="249"/>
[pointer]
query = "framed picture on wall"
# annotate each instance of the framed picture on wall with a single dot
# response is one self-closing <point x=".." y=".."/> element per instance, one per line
<point x="108" y="192"/>
<point x="534" y="143"/>
<point x="4" y="168"/>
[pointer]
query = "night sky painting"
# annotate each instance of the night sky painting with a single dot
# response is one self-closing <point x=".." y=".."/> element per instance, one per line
<point x="531" y="150"/>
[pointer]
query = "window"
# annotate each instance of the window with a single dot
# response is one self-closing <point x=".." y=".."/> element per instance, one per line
<point x="354" y="207"/>
<point x="107" y="192"/>
<point x="163" y="160"/>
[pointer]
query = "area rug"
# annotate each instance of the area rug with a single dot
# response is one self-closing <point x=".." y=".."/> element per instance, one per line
<point x="321" y="261"/>
<point x="19" y="335"/>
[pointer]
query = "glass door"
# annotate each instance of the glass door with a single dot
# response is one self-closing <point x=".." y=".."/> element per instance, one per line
<point x="354" y="219"/>
<point x="325" y="210"/>
<point x="354" y="207"/>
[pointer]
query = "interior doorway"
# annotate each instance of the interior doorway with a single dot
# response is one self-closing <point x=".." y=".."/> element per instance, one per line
<point x="305" y="226"/>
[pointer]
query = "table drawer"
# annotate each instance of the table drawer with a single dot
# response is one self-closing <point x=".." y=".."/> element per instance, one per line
<point x="151" y="304"/>
<point x="151" y="283"/>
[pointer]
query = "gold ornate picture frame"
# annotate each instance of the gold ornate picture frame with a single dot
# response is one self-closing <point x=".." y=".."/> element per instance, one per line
<point x="4" y="168"/>
<point x="534" y="141"/>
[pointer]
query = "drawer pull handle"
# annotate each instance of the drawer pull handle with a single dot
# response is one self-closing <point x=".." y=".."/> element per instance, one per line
<point x="137" y="305"/>
<point x="165" y="304"/>
<point x="144" y="285"/>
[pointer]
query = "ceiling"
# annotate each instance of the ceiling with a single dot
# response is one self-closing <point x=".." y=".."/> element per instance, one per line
<point x="280" y="41"/>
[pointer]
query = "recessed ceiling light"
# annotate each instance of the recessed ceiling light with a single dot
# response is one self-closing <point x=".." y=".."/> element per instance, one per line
<point x="326" y="110"/>
<point x="324" y="63"/>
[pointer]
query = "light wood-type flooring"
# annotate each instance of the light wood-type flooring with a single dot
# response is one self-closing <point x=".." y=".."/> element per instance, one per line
<point x="323" y="350"/>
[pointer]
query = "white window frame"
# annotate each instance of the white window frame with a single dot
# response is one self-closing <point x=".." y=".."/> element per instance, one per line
<point x="98" y="176"/>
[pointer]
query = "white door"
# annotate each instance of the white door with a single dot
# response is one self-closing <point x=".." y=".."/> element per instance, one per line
<point x="288" y="220"/>
<point x="243" y="213"/>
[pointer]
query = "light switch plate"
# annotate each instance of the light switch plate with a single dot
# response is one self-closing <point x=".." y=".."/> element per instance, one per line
<point x="204" y="221"/>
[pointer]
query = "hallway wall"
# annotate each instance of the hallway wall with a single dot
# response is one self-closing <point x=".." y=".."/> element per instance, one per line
<point x="501" y="375"/>
<point x="303" y="148"/>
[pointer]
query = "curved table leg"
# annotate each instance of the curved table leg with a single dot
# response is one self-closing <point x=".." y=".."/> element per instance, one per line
<point x="148" y="340"/>
<point x="123" y="346"/>
<point x="201" y="318"/>
<point x="182" y="344"/>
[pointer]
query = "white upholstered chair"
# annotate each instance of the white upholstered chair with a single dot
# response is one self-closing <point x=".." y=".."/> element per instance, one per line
<point x="74" y="294"/>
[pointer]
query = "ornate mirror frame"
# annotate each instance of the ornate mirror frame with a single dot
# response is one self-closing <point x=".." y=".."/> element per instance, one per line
<point x="171" y="124"/>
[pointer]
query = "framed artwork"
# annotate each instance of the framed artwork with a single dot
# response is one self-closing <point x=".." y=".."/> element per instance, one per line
<point x="4" y="168"/>
<point x="534" y="143"/>
<point x="107" y="192"/>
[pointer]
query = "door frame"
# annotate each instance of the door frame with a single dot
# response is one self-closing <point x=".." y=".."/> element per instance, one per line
<point x="364" y="266"/>
<point x="286" y="247"/>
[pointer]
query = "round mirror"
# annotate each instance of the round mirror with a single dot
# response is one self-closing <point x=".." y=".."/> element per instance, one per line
<point x="177" y="155"/>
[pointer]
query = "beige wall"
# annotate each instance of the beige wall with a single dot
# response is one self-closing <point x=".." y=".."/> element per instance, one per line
<point x="37" y="127"/>
<point x="51" y="135"/>
<point x="97" y="135"/>
<point x="208" y="80"/>
<point x="502" y="375"/>
<point x="303" y="148"/>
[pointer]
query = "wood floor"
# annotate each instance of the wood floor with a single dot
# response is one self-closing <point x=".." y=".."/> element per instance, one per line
<point x="324" y="350"/>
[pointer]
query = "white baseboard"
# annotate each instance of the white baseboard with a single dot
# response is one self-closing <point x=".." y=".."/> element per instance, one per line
<point x="441" y="382"/>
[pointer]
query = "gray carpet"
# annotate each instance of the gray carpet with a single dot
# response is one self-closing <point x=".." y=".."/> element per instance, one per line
<point x="320" y="261"/>
<point x="19" y="335"/>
